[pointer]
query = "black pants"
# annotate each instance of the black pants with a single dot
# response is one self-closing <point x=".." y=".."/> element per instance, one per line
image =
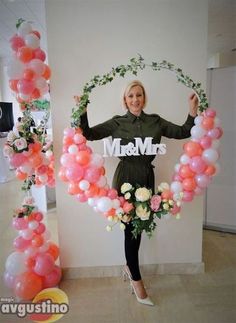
<point x="131" y="251"/>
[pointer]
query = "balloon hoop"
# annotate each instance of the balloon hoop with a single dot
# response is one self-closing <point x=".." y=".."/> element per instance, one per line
<point x="84" y="170"/>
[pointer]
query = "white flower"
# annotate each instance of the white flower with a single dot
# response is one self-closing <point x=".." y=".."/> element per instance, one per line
<point x="178" y="203"/>
<point x="171" y="202"/>
<point x="165" y="206"/>
<point x="126" y="218"/>
<point x="125" y="188"/>
<point x="28" y="200"/>
<point x="109" y="228"/>
<point x="122" y="226"/>
<point x="110" y="218"/>
<point x="20" y="143"/>
<point x="127" y="195"/>
<point x="142" y="194"/>
<point x="11" y="136"/>
<point x="119" y="212"/>
<point x="142" y="212"/>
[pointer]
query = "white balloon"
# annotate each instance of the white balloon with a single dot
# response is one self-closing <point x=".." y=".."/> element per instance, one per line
<point x="24" y="29"/>
<point x="210" y="156"/>
<point x="33" y="225"/>
<point x="30" y="251"/>
<point x="31" y="40"/>
<point x="176" y="187"/>
<point x="73" y="149"/>
<point x="198" y="120"/>
<point x="44" y="247"/>
<point x="27" y="234"/>
<point x="197" y="132"/>
<point x="15" y="69"/>
<point x="185" y="159"/>
<point x="104" y="204"/>
<point x="84" y="185"/>
<point x="38" y="67"/>
<point x="15" y="263"/>
<point x="96" y="160"/>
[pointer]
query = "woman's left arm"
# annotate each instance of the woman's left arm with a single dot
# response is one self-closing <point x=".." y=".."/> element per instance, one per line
<point x="171" y="130"/>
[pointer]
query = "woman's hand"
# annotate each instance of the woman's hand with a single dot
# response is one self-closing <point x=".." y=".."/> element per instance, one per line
<point x="193" y="104"/>
<point x="77" y="99"/>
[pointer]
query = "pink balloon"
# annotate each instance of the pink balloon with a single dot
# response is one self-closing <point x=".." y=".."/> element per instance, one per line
<point x="17" y="42"/>
<point x="75" y="172"/>
<point x="112" y="193"/>
<point x="25" y="87"/>
<point x="40" y="229"/>
<point x="21" y="243"/>
<point x="220" y="132"/>
<point x="205" y="142"/>
<point x="202" y="180"/>
<point x="197" y="164"/>
<point x="79" y="138"/>
<point x="176" y="209"/>
<point x="188" y="196"/>
<point x="40" y="54"/>
<point x="44" y="264"/>
<point x="19" y="224"/>
<point x="9" y="280"/>
<point x="68" y="160"/>
<point x="198" y="191"/>
<point x="53" y="278"/>
<point x="37" y="66"/>
<point x="210" y="112"/>
<point x="215" y="133"/>
<point x="69" y="132"/>
<point x="92" y="174"/>
<point x="81" y="197"/>
<point x="38" y="216"/>
<point x="17" y="160"/>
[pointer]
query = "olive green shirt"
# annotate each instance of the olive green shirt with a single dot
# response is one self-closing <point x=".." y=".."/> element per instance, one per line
<point x="136" y="169"/>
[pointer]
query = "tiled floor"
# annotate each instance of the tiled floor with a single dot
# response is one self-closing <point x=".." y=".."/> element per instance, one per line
<point x="201" y="298"/>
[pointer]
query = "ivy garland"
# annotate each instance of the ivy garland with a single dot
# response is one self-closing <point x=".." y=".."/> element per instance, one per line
<point x="135" y="64"/>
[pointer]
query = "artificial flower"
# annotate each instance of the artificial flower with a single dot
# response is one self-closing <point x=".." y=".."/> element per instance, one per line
<point x="28" y="200"/>
<point x="127" y="207"/>
<point x="11" y="136"/>
<point x="20" y="144"/>
<point x="155" y="202"/>
<point x="166" y="206"/>
<point x="125" y="188"/>
<point x="127" y="195"/>
<point x="126" y="218"/>
<point x="142" y="194"/>
<point x="142" y="212"/>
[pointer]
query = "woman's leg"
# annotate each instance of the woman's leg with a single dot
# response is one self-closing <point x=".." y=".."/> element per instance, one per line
<point x="131" y="252"/>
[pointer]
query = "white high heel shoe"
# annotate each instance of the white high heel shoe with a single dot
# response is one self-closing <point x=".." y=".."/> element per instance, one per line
<point x="126" y="275"/>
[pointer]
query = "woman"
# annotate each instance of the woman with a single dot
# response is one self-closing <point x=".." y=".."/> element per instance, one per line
<point x="137" y="169"/>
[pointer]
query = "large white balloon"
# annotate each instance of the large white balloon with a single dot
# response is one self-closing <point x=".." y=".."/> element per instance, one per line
<point x="176" y="187"/>
<point x="24" y="29"/>
<point x="197" y="132"/>
<point x="185" y="159"/>
<point x="15" y="263"/>
<point x="31" y="40"/>
<point x="210" y="156"/>
<point x="104" y="204"/>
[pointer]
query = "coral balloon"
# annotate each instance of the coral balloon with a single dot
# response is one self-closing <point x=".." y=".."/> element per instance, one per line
<point x="210" y="170"/>
<point x="207" y="123"/>
<point x="53" y="278"/>
<point x="83" y="158"/>
<point x="53" y="250"/>
<point x="192" y="148"/>
<point x="25" y="86"/>
<point x="25" y="54"/>
<point x="27" y="285"/>
<point x="186" y="172"/>
<point x="47" y="72"/>
<point x="189" y="184"/>
<point x="13" y="85"/>
<point x="17" y="42"/>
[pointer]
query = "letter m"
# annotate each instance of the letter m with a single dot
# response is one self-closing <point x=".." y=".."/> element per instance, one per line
<point x="145" y="147"/>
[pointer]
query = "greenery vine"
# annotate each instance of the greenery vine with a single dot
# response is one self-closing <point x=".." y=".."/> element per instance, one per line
<point x="135" y="64"/>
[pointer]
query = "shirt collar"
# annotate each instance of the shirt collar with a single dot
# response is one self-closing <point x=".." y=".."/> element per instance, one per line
<point x="133" y="118"/>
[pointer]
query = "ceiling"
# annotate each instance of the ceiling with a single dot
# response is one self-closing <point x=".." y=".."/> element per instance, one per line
<point x="221" y="29"/>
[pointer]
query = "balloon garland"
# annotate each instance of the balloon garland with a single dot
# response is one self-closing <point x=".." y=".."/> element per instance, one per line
<point x="84" y="170"/>
<point x="31" y="267"/>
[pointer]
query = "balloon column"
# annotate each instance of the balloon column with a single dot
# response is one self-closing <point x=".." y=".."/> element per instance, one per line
<point x="31" y="267"/>
<point x="28" y="73"/>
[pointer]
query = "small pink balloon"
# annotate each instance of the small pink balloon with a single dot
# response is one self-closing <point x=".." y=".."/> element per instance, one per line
<point x="17" y="42"/>
<point x="198" y="191"/>
<point x="53" y="278"/>
<point x="40" y="54"/>
<point x="210" y="112"/>
<point x="177" y="177"/>
<point x="92" y="174"/>
<point x="202" y="180"/>
<point x="19" y="224"/>
<point x="176" y="209"/>
<point x="40" y="229"/>
<point x="79" y="138"/>
<point x="188" y="196"/>
<point x="205" y="142"/>
<point x="20" y="243"/>
<point x="74" y="173"/>
<point x="112" y="193"/>
<point x="25" y="87"/>
<point x="214" y="133"/>
<point x="81" y="197"/>
<point x="197" y="164"/>
<point x="69" y="132"/>
<point x="44" y="264"/>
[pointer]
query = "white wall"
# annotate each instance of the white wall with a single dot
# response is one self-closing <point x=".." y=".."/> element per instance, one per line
<point x="88" y="37"/>
<point x="221" y="203"/>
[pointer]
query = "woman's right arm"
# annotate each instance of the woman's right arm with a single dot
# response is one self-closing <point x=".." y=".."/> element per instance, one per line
<point x="99" y="131"/>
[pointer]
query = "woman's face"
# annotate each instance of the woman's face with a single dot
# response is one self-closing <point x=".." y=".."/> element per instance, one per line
<point x="134" y="100"/>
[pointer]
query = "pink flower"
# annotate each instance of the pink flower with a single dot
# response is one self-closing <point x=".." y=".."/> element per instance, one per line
<point x="155" y="202"/>
<point x="127" y="207"/>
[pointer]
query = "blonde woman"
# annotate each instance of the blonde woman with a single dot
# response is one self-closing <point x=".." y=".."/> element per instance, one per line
<point x="137" y="169"/>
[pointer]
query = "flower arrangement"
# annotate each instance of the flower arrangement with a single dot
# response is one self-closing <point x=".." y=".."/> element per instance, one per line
<point x="142" y="208"/>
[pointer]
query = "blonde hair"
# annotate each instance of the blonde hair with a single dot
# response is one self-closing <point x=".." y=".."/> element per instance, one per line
<point x="129" y="87"/>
